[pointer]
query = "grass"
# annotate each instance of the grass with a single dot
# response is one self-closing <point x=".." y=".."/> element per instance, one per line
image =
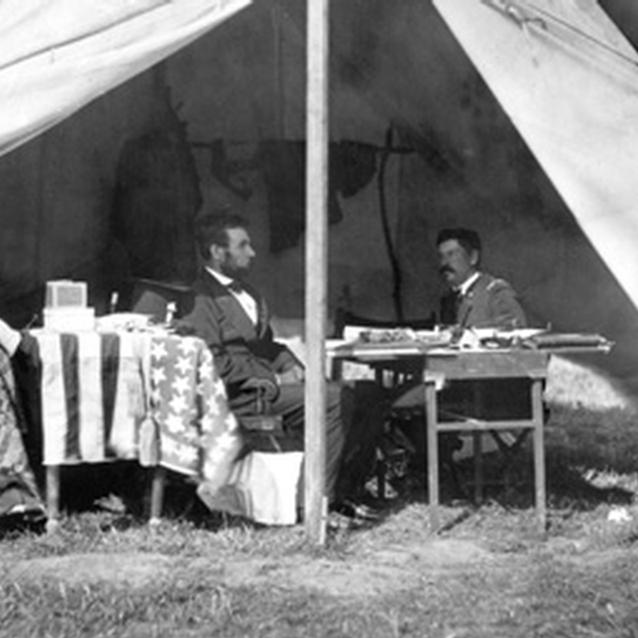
<point x="487" y="573"/>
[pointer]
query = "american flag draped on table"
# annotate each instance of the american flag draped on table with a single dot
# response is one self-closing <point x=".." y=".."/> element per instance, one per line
<point x="101" y="392"/>
<point x="98" y="389"/>
<point x="198" y="433"/>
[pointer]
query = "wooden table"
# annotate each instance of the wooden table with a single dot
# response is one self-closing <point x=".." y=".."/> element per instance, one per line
<point x="441" y="365"/>
<point x="475" y="365"/>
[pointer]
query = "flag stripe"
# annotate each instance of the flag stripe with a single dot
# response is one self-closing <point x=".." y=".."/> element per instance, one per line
<point x="53" y="405"/>
<point x="90" y="397"/>
<point x="110" y="364"/>
<point x="70" y="375"/>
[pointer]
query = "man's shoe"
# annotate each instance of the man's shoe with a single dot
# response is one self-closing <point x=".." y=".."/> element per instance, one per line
<point x="356" y="510"/>
<point x="337" y="522"/>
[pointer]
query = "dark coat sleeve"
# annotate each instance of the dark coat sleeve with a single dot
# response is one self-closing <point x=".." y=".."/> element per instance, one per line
<point x="238" y="362"/>
<point x="504" y="306"/>
<point x="448" y="309"/>
<point x="278" y="355"/>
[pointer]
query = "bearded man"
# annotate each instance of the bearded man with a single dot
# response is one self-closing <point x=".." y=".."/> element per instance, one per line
<point x="232" y="317"/>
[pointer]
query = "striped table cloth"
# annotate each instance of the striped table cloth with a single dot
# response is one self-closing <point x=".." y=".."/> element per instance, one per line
<point x="92" y="395"/>
<point x="100" y="390"/>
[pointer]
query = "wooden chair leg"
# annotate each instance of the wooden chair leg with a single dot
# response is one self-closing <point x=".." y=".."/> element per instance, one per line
<point x="53" y="497"/>
<point x="381" y="469"/>
<point x="478" y="467"/>
<point x="157" y="494"/>
<point x="431" y="427"/>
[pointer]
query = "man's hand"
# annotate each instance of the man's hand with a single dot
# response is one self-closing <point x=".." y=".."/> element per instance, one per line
<point x="294" y="374"/>
<point x="265" y="387"/>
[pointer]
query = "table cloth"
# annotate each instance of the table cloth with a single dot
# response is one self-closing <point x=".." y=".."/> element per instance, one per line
<point x="156" y="397"/>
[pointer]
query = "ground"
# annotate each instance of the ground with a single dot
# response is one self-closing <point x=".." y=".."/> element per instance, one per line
<point x="396" y="578"/>
<point x="486" y="571"/>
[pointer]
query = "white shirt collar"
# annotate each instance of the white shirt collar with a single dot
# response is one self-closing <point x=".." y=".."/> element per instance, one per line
<point x="468" y="283"/>
<point x="247" y="301"/>
<point x="224" y="280"/>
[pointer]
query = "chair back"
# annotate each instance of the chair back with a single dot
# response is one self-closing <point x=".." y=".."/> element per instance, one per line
<point x="151" y="297"/>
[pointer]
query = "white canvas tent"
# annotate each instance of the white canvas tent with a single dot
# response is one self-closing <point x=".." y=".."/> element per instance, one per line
<point x="58" y="56"/>
<point x="393" y="65"/>
<point x="569" y="80"/>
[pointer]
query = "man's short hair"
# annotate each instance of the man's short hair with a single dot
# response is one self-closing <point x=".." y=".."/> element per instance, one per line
<point x="212" y="229"/>
<point x="469" y="239"/>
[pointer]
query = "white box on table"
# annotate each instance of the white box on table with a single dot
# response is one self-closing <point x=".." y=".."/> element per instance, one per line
<point x="66" y="293"/>
<point x="69" y="319"/>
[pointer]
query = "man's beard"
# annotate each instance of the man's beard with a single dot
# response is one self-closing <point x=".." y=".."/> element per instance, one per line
<point x="230" y="269"/>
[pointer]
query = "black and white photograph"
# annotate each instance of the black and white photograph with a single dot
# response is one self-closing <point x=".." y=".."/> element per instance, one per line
<point x="319" y="318"/>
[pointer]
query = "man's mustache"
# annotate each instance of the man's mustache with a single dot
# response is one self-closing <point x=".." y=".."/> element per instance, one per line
<point x="444" y="269"/>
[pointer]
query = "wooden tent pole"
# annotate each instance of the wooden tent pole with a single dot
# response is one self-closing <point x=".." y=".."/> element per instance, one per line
<point x="315" y="500"/>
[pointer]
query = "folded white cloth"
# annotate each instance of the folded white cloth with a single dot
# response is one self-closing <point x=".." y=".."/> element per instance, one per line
<point x="9" y="338"/>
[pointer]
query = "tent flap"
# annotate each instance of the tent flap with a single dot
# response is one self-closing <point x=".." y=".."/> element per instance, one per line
<point x="58" y="55"/>
<point x="568" y="80"/>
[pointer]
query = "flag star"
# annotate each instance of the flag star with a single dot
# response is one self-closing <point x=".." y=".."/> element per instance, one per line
<point x="190" y="437"/>
<point x="208" y="421"/>
<point x="232" y="425"/>
<point x="186" y="345"/>
<point x="158" y="350"/>
<point x="226" y="441"/>
<point x="174" y="424"/>
<point x="156" y="396"/>
<point x="224" y="447"/>
<point x="202" y="389"/>
<point x="168" y="445"/>
<point x="206" y="370"/>
<point x="158" y="375"/>
<point x="218" y="404"/>
<point x="178" y="403"/>
<point x="183" y="365"/>
<point x="181" y="384"/>
<point x="187" y="453"/>
<point x="219" y="389"/>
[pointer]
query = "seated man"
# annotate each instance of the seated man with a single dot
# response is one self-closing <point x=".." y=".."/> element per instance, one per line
<point x="233" y="319"/>
<point x="476" y="299"/>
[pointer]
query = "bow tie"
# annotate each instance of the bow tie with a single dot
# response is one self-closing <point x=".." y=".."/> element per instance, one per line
<point x="235" y="286"/>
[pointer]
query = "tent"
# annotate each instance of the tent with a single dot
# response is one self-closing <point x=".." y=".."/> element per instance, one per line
<point x="399" y="75"/>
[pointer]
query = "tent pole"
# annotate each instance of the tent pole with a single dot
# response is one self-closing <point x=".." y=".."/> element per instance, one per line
<point x="315" y="500"/>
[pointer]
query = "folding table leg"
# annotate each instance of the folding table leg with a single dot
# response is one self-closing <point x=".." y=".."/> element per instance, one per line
<point x="431" y="426"/>
<point x="539" y="453"/>
<point x="157" y="494"/>
<point x="53" y="497"/>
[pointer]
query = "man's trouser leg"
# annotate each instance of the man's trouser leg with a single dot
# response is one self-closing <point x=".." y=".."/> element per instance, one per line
<point x="290" y="404"/>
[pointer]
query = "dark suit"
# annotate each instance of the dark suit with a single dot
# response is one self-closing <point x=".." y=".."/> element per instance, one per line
<point x="244" y="352"/>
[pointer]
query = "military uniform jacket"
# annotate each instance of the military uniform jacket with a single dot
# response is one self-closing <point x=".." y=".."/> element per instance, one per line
<point x="489" y="303"/>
